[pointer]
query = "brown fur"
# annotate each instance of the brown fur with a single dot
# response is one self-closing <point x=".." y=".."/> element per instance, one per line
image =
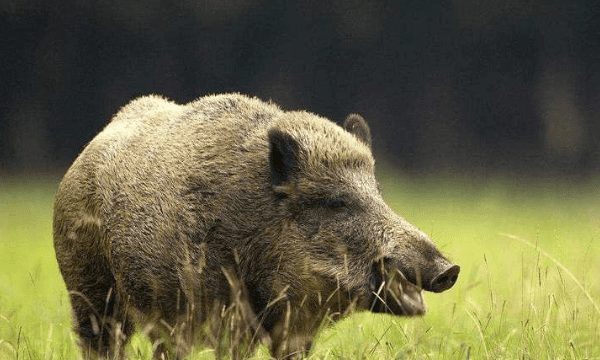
<point x="230" y="212"/>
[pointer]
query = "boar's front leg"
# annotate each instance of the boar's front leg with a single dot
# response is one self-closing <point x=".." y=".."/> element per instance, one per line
<point x="291" y="336"/>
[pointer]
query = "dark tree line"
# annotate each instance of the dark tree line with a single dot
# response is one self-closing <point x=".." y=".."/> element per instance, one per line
<point x="445" y="85"/>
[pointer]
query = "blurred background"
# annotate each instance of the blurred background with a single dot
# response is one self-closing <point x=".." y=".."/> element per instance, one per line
<point x="484" y="87"/>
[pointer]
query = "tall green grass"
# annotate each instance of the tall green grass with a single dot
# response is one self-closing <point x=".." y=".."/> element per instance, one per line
<point x="529" y="288"/>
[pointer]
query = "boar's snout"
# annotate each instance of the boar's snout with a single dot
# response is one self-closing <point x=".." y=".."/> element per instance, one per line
<point x="445" y="279"/>
<point x="435" y="276"/>
<point x="419" y="260"/>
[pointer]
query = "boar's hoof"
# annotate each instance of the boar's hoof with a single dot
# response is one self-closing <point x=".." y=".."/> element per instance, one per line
<point x="445" y="280"/>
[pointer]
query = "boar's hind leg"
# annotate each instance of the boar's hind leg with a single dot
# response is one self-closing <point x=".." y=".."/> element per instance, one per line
<point x="99" y="315"/>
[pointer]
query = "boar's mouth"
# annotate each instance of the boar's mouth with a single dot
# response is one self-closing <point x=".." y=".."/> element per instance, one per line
<point x="392" y="293"/>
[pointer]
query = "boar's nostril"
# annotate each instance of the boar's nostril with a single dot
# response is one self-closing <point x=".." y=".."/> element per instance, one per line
<point x="445" y="280"/>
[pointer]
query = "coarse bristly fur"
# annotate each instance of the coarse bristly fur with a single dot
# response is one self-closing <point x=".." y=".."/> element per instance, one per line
<point x="229" y="221"/>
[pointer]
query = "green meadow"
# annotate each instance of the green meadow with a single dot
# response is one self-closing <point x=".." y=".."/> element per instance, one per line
<point x="529" y="288"/>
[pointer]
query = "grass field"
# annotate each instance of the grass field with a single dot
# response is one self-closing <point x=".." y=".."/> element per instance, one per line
<point x="529" y="250"/>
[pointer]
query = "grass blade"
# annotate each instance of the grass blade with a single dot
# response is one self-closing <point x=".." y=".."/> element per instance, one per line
<point x="558" y="263"/>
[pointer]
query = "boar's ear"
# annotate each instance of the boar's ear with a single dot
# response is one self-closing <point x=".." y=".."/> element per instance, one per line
<point x="355" y="124"/>
<point x="284" y="154"/>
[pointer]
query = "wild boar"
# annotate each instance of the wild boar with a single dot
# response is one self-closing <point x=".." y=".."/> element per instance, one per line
<point x="229" y="220"/>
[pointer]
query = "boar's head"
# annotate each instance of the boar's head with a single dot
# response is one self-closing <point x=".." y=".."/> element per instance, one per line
<point x="346" y="238"/>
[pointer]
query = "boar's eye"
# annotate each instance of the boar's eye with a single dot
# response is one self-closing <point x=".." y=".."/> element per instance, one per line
<point x="325" y="203"/>
<point x="337" y="204"/>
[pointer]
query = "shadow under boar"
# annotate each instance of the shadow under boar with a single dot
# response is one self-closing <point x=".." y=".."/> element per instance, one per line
<point x="230" y="221"/>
